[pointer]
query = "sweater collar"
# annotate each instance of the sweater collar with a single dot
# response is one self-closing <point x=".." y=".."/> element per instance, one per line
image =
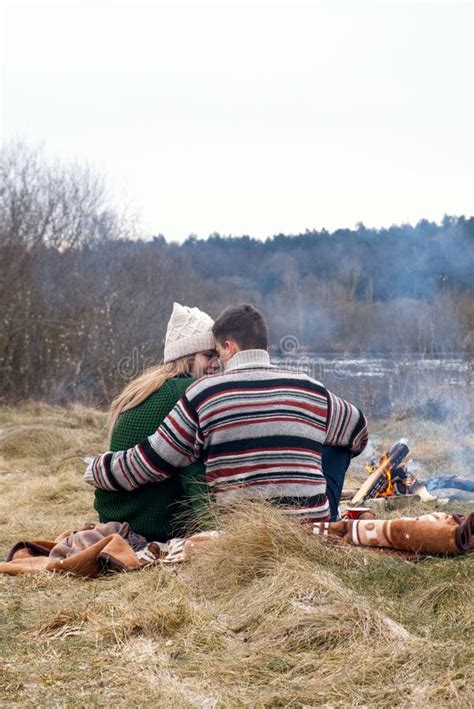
<point x="248" y="358"/>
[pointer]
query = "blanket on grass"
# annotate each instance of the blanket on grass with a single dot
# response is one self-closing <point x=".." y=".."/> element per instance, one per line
<point x="98" y="548"/>
<point x="435" y="533"/>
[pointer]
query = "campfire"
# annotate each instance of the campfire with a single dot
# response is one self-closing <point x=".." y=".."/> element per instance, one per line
<point x="391" y="480"/>
<point x="389" y="476"/>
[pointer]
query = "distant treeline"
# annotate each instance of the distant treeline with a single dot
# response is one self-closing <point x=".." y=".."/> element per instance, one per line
<point x="84" y="302"/>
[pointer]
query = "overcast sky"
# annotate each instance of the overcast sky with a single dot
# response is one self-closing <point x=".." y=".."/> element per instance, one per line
<point x="249" y="118"/>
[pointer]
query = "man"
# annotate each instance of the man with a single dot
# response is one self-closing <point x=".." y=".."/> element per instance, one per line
<point x="261" y="431"/>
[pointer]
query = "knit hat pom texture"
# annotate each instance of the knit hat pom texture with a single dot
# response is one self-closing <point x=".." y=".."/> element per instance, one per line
<point x="189" y="331"/>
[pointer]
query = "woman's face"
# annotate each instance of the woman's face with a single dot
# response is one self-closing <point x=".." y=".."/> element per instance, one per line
<point x="204" y="363"/>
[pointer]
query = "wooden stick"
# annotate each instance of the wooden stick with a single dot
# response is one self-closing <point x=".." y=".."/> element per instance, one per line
<point x="367" y="486"/>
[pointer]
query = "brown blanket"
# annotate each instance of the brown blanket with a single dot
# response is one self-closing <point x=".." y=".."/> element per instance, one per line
<point x="87" y="552"/>
<point x="101" y="547"/>
<point x="96" y="549"/>
<point x="436" y="533"/>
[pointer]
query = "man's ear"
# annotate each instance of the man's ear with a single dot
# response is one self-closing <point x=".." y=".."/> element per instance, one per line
<point x="232" y="346"/>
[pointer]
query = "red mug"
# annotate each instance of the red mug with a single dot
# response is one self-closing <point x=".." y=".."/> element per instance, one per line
<point x="357" y="512"/>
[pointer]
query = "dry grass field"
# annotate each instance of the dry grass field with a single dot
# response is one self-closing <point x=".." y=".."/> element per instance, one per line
<point x="268" y="618"/>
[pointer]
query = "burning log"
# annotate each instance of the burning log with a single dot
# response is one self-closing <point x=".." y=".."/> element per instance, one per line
<point x="388" y="477"/>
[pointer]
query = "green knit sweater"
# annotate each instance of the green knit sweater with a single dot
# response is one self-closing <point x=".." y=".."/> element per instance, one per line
<point x="161" y="510"/>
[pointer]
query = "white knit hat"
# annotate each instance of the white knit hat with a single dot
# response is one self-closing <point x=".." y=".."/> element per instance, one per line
<point x="189" y="331"/>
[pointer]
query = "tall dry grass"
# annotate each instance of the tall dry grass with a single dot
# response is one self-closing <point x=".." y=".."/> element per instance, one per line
<point x="267" y="617"/>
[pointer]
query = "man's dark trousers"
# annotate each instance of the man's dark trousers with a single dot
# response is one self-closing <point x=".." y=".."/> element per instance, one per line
<point x="335" y="462"/>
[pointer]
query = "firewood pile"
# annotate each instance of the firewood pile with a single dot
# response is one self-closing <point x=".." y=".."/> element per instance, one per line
<point x="389" y="483"/>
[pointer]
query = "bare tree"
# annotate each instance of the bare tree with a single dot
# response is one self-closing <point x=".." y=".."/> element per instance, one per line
<point x="46" y="208"/>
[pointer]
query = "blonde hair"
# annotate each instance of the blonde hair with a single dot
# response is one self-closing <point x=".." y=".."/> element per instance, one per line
<point x="146" y="384"/>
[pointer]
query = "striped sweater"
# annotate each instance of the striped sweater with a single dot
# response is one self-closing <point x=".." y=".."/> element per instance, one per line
<point x="258" y="429"/>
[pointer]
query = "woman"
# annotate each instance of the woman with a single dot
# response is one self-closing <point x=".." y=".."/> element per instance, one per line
<point x="158" y="511"/>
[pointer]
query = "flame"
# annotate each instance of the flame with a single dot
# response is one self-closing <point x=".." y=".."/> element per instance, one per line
<point x="389" y="488"/>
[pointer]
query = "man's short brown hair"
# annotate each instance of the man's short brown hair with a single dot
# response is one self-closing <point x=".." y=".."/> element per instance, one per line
<point x="244" y="324"/>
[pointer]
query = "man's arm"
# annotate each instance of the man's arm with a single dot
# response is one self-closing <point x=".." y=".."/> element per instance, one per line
<point x="346" y="425"/>
<point x="175" y="444"/>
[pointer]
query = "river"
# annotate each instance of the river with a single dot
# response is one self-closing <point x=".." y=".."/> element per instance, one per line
<point x="382" y="384"/>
